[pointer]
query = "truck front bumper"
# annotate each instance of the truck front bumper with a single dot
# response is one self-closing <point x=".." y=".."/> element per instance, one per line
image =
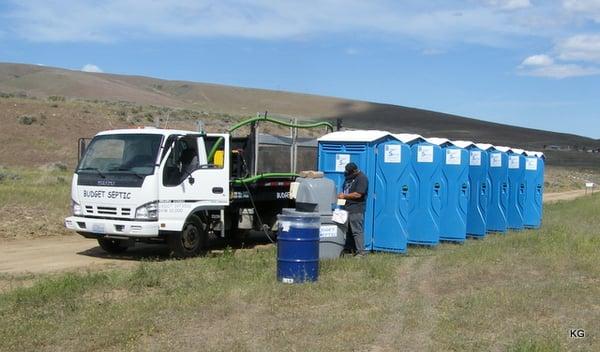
<point x="104" y="227"/>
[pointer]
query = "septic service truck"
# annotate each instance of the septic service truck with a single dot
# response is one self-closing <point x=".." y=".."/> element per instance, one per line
<point x="174" y="186"/>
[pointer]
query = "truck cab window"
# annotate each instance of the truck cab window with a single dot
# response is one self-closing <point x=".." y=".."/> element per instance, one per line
<point x="215" y="149"/>
<point x="181" y="162"/>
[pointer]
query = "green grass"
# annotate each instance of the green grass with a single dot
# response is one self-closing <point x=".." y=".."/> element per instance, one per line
<point x="33" y="202"/>
<point x="515" y="292"/>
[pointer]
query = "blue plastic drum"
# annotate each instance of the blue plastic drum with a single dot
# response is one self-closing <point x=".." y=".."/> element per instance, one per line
<point x="298" y="247"/>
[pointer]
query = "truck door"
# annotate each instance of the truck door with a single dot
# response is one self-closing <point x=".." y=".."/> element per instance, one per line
<point x="186" y="175"/>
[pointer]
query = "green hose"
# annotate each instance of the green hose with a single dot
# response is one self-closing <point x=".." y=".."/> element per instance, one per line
<point x="217" y="144"/>
<point x="279" y="122"/>
<point x="265" y="175"/>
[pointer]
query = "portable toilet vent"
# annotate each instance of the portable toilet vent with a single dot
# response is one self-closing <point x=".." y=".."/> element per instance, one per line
<point x="385" y="161"/>
<point x="479" y="188"/>
<point x="498" y="199"/>
<point x="424" y="190"/>
<point x="516" y="189"/>
<point x="454" y="190"/>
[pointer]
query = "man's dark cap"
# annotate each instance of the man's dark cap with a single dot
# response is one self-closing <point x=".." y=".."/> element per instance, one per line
<point x="351" y="167"/>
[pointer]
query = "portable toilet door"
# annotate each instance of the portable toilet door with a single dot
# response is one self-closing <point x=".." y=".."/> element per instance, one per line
<point x="516" y="189"/>
<point x="540" y="184"/>
<point x="424" y="190"/>
<point x="479" y="186"/>
<point x="391" y="196"/>
<point x="532" y="208"/>
<point x="337" y="149"/>
<point x="498" y="199"/>
<point x="454" y="190"/>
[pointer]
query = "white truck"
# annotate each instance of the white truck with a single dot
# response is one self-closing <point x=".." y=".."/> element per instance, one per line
<point x="162" y="185"/>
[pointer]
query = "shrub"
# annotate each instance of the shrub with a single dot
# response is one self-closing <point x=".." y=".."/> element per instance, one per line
<point x="6" y="175"/>
<point x="27" y="120"/>
<point x="57" y="98"/>
<point x="55" y="166"/>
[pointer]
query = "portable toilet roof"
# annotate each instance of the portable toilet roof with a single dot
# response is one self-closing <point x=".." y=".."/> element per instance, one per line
<point x="408" y="137"/>
<point x="536" y="154"/>
<point x="438" y="141"/>
<point x="463" y="144"/>
<point x="503" y="149"/>
<point x="484" y="146"/>
<point x="518" y="151"/>
<point x="354" y="136"/>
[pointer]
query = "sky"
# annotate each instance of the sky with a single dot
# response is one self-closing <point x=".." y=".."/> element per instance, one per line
<point x="521" y="62"/>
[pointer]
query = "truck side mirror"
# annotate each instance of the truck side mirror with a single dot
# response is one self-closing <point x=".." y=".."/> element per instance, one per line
<point x="81" y="147"/>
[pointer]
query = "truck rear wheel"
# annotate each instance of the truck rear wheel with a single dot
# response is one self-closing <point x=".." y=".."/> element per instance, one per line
<point x="189" y="242"/>
<point x="112" y="246"/>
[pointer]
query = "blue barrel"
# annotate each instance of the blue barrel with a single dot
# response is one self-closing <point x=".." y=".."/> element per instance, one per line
<point x="298" y="247"/>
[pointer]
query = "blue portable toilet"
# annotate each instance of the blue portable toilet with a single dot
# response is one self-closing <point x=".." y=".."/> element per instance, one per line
<point x="454" y="190"/>
<point x="533" y="203"/>
<point x="516" y="188"/>
<point x="498" y="198"/>
<point x="385" y="161"/>
<point x="478" y="188"/>
<point x="393" y="174"/>
<point x="424" y="190"/>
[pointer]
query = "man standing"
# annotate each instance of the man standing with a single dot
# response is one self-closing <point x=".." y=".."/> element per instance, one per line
<point x="355" y="194"/>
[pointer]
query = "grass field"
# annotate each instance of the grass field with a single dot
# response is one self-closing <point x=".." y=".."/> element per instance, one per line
<point x="34" y="201"/>
<point x="516" y="292"/>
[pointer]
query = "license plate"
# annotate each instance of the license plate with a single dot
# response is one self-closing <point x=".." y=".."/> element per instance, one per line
<point x="98" y="228"/>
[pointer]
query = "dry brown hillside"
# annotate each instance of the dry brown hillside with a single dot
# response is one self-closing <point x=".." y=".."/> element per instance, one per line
<point x="119" y="100"/>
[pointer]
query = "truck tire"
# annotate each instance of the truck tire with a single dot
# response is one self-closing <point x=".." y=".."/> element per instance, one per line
<point x="112" y="246"/>
<point x="189" y="242"/>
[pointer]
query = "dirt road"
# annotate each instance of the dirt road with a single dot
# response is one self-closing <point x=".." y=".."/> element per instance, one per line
<point x="65" y="252"/>
<point x="61" y="253"/>
<point x="570" y="195"/>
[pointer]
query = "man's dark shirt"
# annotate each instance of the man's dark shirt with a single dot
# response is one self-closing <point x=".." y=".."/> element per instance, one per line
<point x="358" y="183"/>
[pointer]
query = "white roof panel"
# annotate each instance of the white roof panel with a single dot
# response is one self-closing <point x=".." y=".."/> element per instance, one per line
<point x="437" y="141"/>
<point x="354" y="136"/>
<point x="531" y="153"/>
<point x="462" y="144"/>
<point x="484" y="146"/>
<point x="503" y="149"/>
<point x="407" y="137"/>
<point x="518" y="151"/>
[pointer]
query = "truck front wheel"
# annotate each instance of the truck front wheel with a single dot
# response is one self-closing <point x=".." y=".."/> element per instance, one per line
<point x="112" y="246"/>
<point x="189" y="242"/>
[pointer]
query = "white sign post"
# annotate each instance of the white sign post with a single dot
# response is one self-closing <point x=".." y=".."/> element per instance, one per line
<point x="589" y="186"/>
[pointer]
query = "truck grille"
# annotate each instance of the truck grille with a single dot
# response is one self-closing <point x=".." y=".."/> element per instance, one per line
<point x="107" y="211"/>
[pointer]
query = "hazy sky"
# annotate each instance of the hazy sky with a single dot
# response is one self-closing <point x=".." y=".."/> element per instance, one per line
<point x="523" y="62"/>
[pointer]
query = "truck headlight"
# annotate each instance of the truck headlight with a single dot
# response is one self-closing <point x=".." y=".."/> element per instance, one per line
<point x="148" y="211"/>
<point x="76" y="208"/>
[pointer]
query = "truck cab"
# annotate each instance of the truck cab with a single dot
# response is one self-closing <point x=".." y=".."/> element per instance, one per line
<point x="151" y="185"/>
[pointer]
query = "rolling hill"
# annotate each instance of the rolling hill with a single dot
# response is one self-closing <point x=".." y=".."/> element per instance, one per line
<point x="41" y="82"/>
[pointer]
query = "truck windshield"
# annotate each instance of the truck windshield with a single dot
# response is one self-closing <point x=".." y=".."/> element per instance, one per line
<point x="125" y="153"/>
